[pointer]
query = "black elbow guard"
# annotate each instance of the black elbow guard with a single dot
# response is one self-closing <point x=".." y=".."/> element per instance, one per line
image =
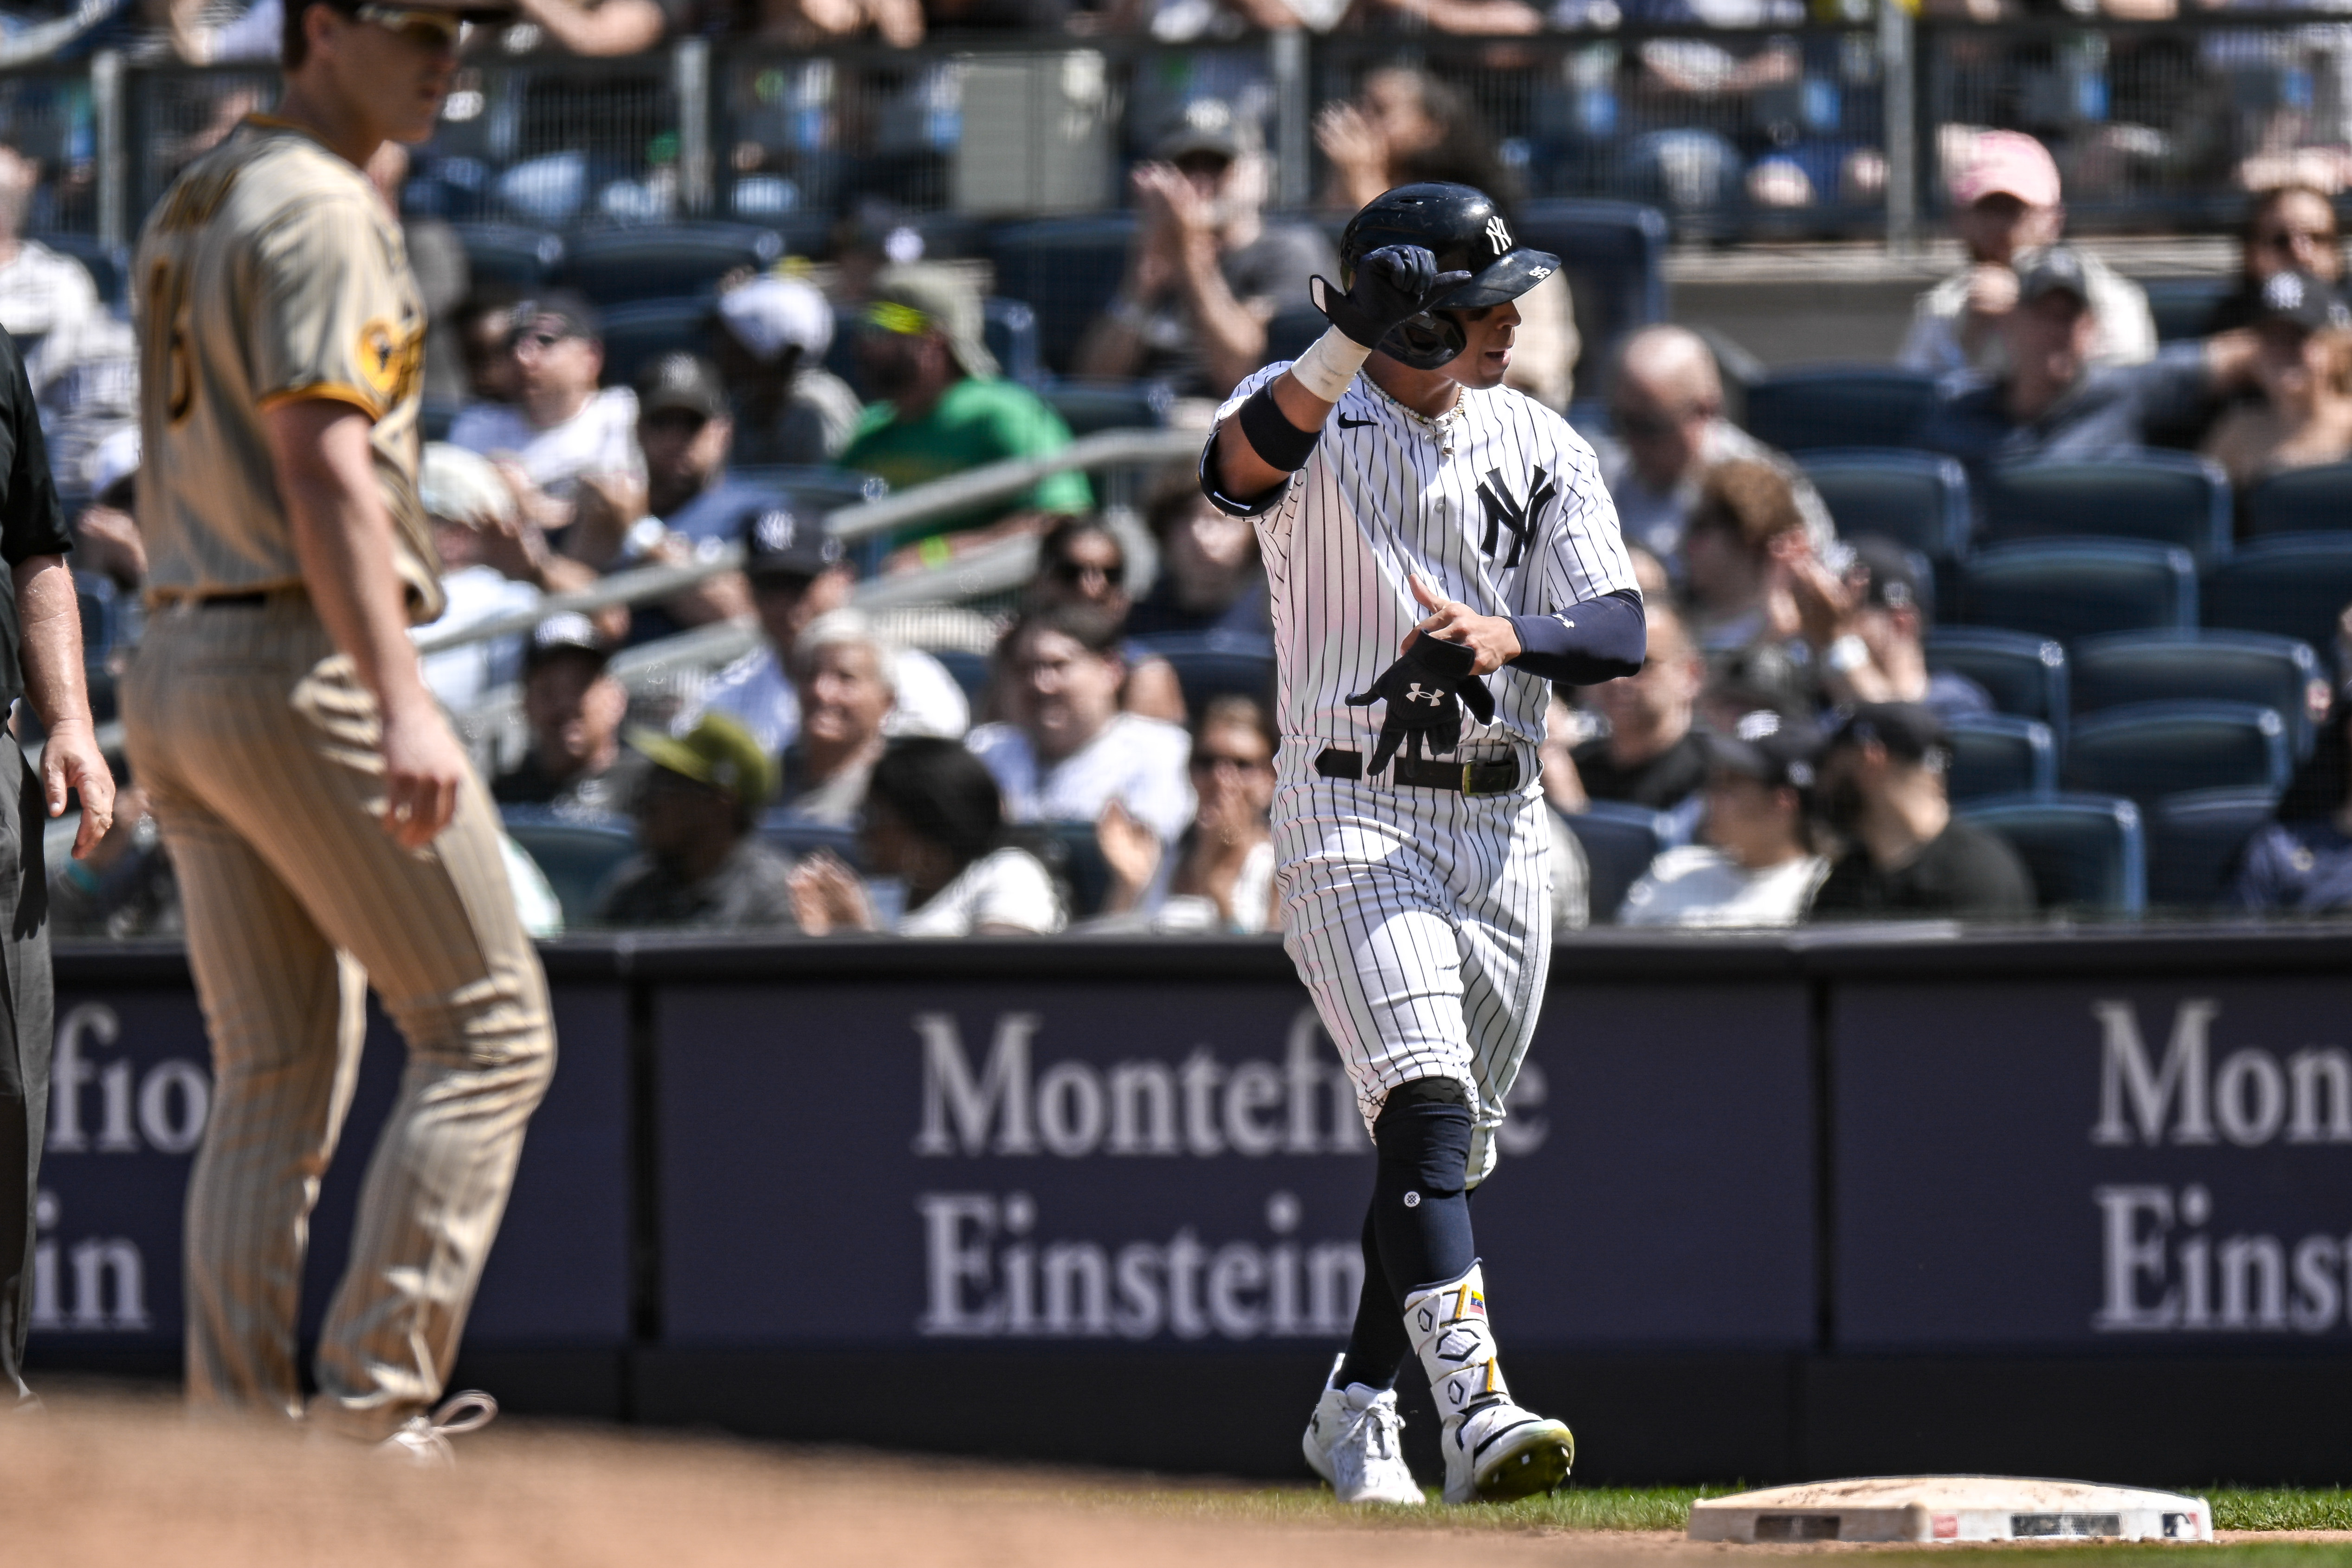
<point x="1272" y="435"/>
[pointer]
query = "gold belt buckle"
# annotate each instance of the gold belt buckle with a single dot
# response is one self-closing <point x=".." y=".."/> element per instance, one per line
<point x="1469" y="777"/>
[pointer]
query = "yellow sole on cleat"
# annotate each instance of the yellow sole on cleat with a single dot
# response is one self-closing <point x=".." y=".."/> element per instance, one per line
<point x="1538" y="1466"/>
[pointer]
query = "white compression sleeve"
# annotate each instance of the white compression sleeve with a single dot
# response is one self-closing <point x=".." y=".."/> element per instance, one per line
<point x="1328" y="367"/>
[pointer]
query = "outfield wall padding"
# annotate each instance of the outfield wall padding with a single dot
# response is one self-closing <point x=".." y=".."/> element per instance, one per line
<point x="1769" y="1206"/>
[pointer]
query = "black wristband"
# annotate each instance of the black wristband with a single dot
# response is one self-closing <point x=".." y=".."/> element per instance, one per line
<point x="1272" y="435"/>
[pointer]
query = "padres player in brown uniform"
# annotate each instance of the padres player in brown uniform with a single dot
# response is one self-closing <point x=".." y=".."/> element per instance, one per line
<point x="322" y="818"/>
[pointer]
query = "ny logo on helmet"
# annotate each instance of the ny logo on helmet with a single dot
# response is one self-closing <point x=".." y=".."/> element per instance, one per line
<point x="1497" y="234"/>
<point x="1518" y="517"/>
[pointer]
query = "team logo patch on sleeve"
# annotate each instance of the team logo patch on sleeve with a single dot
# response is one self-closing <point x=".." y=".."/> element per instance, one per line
<point x="382" y="356"/>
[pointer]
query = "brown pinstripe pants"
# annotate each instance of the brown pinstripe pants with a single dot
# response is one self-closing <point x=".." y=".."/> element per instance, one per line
<point x="258" y="747"/>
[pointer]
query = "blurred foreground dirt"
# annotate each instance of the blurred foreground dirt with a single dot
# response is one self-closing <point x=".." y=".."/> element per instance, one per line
<point x="107" y="1481"/>
<point x="104" y="1481"/>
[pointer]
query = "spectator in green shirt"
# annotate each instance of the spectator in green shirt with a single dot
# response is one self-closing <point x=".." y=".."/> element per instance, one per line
<point x="944" y="409"/>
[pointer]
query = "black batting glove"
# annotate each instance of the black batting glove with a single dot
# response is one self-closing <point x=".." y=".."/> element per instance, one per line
<point x="1394" y="284"/>
<point x="1426" y="691"/>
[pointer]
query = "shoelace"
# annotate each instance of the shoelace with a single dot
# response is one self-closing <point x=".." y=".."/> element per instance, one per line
<point x="1386" y="1422"/>
<point x="462" y="1413"/>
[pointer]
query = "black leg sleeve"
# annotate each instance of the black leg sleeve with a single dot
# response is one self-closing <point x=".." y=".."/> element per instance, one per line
<point x="1420" y="1211"/>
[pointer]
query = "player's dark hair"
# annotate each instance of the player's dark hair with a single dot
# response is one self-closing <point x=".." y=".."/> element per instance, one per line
<point x="944" y="795"/>
<point x="293" y="46"/>
<point x="1090" y="628"/>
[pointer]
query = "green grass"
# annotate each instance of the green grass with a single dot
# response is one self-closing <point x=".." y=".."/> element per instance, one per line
<point x="1668" y="1508"/>
<point x="1578" y="1508"/>
<point x="2268" y="1508"/>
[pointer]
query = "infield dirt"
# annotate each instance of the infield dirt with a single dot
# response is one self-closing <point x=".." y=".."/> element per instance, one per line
<point x="101" y="1481"/>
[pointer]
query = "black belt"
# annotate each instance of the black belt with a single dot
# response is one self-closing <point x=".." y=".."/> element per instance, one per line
<point x="258" y="596"/>
<point x="1497" y="777"/>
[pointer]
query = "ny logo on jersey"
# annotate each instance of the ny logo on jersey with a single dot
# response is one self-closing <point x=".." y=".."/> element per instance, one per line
<point x="1415" y="694"/>
<point x="1498" y="234"/>
<point x="1502" y="512"/>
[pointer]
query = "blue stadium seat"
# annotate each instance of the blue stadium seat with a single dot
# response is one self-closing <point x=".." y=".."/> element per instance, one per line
<point x="2181" y="305"/>
<point x="2069" y="589"/>
<point x="508" y="257"/>
<point x="2316" y="501"/>
<point x="2221" y="666"/>
<point x="2023" y="673"/>
<point x="1614" y="254"/>
<point x="109" y="265"/>
<point x="578" y="858"/>
<point x="2002" y="754"/>
<point x="1816" y="406"/>
<point x="796" y="837"/>
<point x="637" y="333"/>
<point x="1068" y="269"/>
<point x="2294" y="586"/>
<point x="1919" y="499"/>
<point x="2194" y="840"/>
<point x="1073" y="853"/>
<point x="1216" y="664"/>
<point x="1619" y="843"/>
<point x="1010" y="328"/>
<point x="970" y="670"/>
<point x="2164" y="497"/>
<point x="668" y="261"/>
<point x="1088" y="406"/>
<point x="2149" y="749"/>
<point x="2087" y="853"/>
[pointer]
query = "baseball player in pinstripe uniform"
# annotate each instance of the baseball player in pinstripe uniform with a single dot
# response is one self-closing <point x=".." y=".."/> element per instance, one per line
<point x="1439" y="547"/>
<point x="322" y="818"/>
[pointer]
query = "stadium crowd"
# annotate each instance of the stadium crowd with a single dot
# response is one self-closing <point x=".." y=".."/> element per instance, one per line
<point x="1094" y="752"/>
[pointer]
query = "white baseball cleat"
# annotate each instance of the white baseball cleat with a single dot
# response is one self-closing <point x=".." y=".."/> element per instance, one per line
<point x="1353" y="1441"/>
<point x="1500" y="1451"/>
<point x="1494" y="1449"/>
<point x="423" y="1440"/>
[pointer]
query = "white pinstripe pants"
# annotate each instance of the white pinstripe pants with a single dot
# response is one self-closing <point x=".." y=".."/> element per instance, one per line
<point x="1420" y="923"/>
<point x="258" y="747"/>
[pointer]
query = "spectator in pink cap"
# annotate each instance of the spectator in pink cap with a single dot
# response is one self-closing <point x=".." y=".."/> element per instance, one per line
<point x="2004" y="201"/>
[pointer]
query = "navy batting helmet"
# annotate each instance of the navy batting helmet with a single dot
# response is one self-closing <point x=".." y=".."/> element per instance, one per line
<point x="1462" y="227"/>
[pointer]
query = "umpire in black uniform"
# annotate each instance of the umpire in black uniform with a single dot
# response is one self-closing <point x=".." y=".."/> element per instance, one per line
<point x="40" y="660"/>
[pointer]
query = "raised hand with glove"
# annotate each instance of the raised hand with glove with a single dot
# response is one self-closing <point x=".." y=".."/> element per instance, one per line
<point x="1387" y="305"/>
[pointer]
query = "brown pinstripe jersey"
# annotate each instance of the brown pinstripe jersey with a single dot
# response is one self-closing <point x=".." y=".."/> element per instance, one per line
<point x="270" y="271"/>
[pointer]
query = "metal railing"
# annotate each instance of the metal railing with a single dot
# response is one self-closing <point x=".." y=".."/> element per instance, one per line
<point x="1826" y="127"/>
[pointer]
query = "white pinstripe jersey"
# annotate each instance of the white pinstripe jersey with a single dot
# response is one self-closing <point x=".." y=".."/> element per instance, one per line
<point x="1500" y="506"/>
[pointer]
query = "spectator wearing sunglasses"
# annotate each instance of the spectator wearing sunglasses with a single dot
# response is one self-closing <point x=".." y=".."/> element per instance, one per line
<point x="560" y="430"/>
<point x="944" y="410"/>
<point x="2289" y="228"/>
<point x="1080" y="561"/>
<point x="1205" y="271"/>
<point x="1223" y="876"/>
<point x="1666" y="412"/>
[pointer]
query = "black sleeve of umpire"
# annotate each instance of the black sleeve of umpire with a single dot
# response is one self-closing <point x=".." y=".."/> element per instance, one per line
<point x="1584" y="644"/>
<point x="1241" y="507"/>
